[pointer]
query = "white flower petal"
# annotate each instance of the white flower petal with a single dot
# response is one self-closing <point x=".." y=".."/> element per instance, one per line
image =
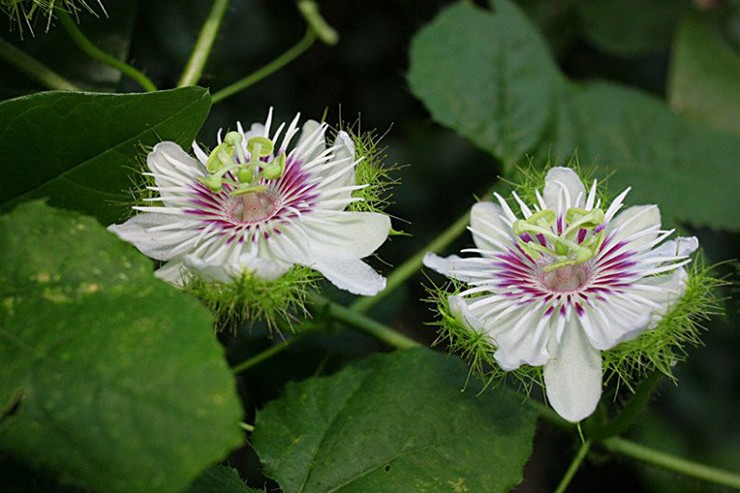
<point x="159" y="245"/>
<point x="311" y="141"/>
<point x="172" y="272"/>
<point x="680" y="247"/>
<point x="358" y="233"/>
<point x="208" y="271"/>
<point x="563" y="189"/>
<point x="633" y="224"/>
<point x="573" y="375"/>
<point x="459" y="308"/>
<point x="489" y="231"/>
<point x="263" y="268"/>
<point x="346" y="272"/>
<point x="454" y="267"/>
<point x="521" y="338"/>
<point x="172" y="167"/>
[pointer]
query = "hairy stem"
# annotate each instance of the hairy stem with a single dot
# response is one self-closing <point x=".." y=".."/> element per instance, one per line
<point x="96" y="53"/>
<point x="33" y="68"/>
<point x="574" y="466"/>
<point x="671" y="462"/>
<point x="202" y="49"/>
<point x="308" y="39"/>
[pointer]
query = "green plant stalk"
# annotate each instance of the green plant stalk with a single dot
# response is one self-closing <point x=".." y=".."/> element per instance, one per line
<point x="97" y="54"/>
<point x="657" y="458"/>
<point x="305" y="43"/>
<point x="574" y="466"/>
<point x="368" y="325"/>
<point x="413" y="264"/>
<point x="33" y="68"/>
<point x="204" y="44"/>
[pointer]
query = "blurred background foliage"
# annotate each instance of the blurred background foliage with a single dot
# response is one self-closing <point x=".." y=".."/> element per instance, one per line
<point x="362" y="81"/>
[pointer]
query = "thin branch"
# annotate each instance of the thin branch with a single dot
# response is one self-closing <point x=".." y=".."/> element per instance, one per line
<point x="96" y="53"/>
<point x="305" y="43"/>
<point x="33" y="68"/>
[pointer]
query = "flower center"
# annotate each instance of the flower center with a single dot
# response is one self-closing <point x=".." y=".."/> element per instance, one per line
<point x="566" y="278"/>
<point x="570" y="240"/>
<point x="253" y="207"/>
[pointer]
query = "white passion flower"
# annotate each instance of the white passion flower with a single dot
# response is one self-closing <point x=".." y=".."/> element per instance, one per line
<point x="567" y="280"/>
<point x="255" y="206"/>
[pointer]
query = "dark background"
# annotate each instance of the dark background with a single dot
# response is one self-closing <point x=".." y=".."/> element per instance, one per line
<point x="364" y="76"/>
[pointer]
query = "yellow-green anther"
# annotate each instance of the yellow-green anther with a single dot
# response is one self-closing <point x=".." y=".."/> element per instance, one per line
<point x="581" y="218"/>
<point x="235" y="139"/>
<point x="213" y="182"/>
<point x="243" y="190"/>
<point x="275" y="169"/>
<point x="259" y="146"/>
<point x="222" y="155"/>
<point x="583" y="255"/>
<point x="543" y="218"/>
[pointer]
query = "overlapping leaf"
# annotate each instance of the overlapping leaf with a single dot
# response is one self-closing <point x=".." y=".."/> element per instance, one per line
<point x="112" y="379"/>
<point x="395" y="422"/>
<point x="80" y="150"/>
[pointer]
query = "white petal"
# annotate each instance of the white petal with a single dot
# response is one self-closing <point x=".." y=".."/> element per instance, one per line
<point x="208" y="271"/>
<point x="311" y="141"/>
<point x="357" y="233"/>
<point x="521" y="338"/>
<point x="268" y="269"/>
<point x="455" y="267"/>
<point x="623" y="317"/>
<point x="635" y="220"/>
<point x="459" y="308"/>
<point x="680" y="247"/>
<point x="158" y="245"/>
<point x="173" y="167"/>
<point x="489" y="231"/>
<point x="346" y="272"/>
<point x="573" y="375"/>
<point x="172" y="272"/>
<point x="344" y="151"/>
<point x="563" y="188"/>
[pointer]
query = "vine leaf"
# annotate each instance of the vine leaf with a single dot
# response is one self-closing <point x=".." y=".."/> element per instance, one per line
<point x="392" y="423"/>
<point x="79" y="150"/>
<point x="112" y="379"/>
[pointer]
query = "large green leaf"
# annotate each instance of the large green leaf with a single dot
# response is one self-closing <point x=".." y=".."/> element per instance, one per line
<point x="111" y="379"/>
<point x="396" y="422"/>
<point x="490" y="81"/>
<point x="690" y="171"/>
<point x="705" y="75"/>
<point x="80" y="149"/>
